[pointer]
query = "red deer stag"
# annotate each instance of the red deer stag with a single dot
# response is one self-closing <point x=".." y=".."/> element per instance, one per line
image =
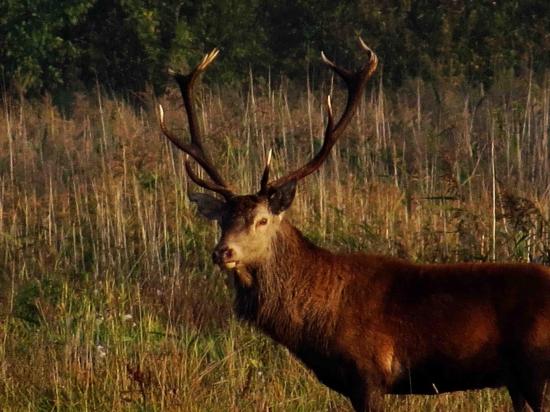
<point x="371" y="325"/>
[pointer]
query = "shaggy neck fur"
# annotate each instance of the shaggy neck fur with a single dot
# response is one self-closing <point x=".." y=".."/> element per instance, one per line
<point x="295" y="295"/>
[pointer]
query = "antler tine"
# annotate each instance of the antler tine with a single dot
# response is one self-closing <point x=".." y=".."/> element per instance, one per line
<point x="355" y="82"/>
<point x="264" y="187"/>
<point x="195" y="149"/>
<point x="330" y="115"/>
<point x="344" y="73"/>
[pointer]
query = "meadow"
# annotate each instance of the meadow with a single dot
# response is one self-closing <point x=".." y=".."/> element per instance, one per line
<point x="108" y="297"/>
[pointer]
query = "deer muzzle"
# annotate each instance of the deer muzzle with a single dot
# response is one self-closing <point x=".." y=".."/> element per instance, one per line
<point x="224" y="257"/>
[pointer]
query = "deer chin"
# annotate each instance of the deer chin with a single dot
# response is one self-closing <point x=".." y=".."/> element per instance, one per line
<point x="238" y="274"/>
<point x="230" y="265"/>
<point x="243" y="276"/>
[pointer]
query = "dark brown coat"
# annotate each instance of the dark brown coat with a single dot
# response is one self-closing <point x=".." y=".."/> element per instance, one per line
<point x="368" y="325"/>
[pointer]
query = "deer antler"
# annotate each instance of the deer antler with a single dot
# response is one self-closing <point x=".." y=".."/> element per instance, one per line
<point x="264" y="182"/>
<point x="195" y="149"/>
<point x="355" y="83"/>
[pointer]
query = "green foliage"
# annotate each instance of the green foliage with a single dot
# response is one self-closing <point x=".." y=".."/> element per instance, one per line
<point x="120" y="45"/>
<point x="233" y="26"/>
<point x="25" y="304"/>
<point x="128" y="44"/>
<point x="33" y="37"/>
<point x="32" y="296"/>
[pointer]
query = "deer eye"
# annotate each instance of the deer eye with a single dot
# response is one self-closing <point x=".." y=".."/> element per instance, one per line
<point x="262" y="222"/>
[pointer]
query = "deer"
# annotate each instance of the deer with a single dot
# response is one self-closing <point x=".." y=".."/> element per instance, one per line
<point x="369" y="325"/>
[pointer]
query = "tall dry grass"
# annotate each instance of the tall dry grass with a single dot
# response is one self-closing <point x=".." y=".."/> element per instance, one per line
<point x="108" y="298"/>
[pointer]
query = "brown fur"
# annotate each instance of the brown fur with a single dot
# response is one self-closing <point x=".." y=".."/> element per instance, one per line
<point x="369" y="325"/>
<point x="287" y="289"/>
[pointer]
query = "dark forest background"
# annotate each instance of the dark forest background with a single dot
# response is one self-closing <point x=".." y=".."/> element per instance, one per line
<point x="127" y="45"/>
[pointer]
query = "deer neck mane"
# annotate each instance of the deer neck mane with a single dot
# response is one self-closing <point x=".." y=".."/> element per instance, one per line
<point x="295" y="294"/>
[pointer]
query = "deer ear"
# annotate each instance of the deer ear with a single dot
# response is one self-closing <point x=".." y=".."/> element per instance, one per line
<point x="282" y="198"/>
<point x="209" y="206"/>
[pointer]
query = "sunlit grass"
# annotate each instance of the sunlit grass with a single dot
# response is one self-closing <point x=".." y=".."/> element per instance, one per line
<point x="108" y="297"/>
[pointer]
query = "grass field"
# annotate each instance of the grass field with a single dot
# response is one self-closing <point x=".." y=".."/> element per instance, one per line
<point x="108" y="297"/>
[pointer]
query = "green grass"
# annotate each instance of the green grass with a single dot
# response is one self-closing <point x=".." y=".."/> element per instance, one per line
<point x="108" y="297"/>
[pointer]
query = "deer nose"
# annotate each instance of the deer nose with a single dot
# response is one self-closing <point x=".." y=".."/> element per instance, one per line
<point x="222" y="254"/>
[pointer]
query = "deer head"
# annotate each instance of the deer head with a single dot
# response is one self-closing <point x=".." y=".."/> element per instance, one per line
<point x="250" y="222"/>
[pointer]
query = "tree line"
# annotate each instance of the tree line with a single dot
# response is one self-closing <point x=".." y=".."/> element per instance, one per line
<point x="125" y="45"/>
